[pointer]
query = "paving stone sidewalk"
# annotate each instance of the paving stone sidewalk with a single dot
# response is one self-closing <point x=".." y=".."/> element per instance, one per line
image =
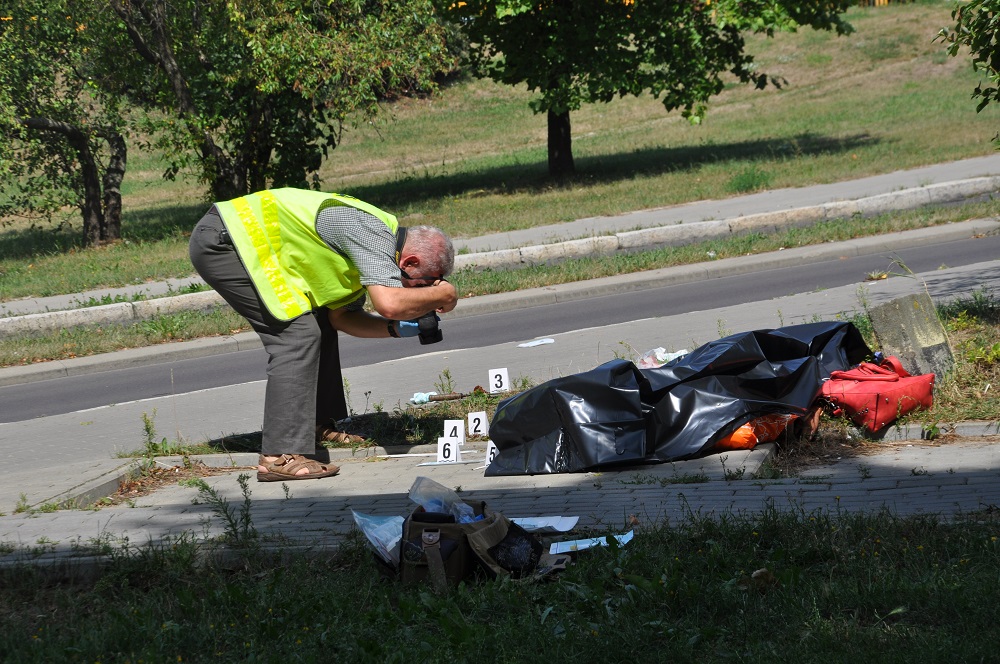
<point x="906" y="478"/>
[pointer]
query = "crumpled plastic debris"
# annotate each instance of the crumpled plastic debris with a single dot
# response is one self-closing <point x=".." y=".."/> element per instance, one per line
<point x="383" y="532"/>
<point x="657" y="358"/>
<point x="422" y="397"/>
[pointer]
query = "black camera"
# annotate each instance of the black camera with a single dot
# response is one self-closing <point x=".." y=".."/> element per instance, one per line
<point x="430" y="333"/>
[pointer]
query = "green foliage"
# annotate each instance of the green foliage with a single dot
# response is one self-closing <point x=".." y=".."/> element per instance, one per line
<point x="575" y="53"/>
<point x="240" y="531"/>
<point x="63" y="143"/>
<point x="977" y="25"/>
<point x="751" y="178"/>
<point x="444" y="384"/>
<point x="777" y="586"/>
<point x="256" y="93"/>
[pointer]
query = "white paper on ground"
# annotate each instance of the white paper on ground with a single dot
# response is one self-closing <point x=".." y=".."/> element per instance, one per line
<point x="536" y="342"/>
<point x="580" y="545"/>
<point x="547" y="524"/>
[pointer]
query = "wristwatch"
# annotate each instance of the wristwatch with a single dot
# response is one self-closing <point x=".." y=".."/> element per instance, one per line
<point x="392" y="329"/>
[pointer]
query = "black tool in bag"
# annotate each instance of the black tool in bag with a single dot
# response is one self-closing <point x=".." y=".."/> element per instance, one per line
<point x="437" y="549"/>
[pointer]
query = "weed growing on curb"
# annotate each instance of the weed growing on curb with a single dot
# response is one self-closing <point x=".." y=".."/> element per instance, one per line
<point x="240" y="530"/>
<point x="444" y="384"/>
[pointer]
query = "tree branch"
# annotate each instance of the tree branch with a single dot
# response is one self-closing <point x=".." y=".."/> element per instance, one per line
<point x="133" y="32"/>
<point x="72" y="132"/>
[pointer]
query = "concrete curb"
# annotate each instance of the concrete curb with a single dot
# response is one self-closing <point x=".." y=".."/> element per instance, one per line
<point x="133" y="357"/>
<point x="630" y="241"/>
<point x="119" y="313"/>
<point x="722" y="268"/>
<point x="767" y="222"/>
<point x="958" y="430"/>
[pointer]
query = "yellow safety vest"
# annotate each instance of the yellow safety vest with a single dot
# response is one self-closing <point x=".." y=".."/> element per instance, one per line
<point x="292" y="268"/>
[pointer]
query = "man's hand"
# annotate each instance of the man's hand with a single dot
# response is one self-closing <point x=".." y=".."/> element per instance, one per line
<point x="449" y="293"/>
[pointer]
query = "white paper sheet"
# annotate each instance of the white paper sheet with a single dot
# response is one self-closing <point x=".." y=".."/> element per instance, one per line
<point x="581" y="544"/>
<point x="547" y="524"/>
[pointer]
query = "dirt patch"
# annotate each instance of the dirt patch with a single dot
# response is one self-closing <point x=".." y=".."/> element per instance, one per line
<point x="831" y="442"/>
<point x="150" y="480"/>
<point x="835" y="442"/>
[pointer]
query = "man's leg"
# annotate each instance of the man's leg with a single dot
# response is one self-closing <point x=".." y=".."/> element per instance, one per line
<point x="293" y="347"/>
<point x="290" y="397"/>
<point x="331" y="402"/>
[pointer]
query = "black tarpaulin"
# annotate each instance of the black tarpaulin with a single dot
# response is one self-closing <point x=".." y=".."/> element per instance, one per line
<point x="620" y="414"/>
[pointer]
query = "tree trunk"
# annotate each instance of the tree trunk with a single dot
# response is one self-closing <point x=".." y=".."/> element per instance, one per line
<point x="113" y="175"/>
<point x="224" y="176"/>
<point x="258" y="144"/>
<point x="560" y="145"/>
<point x="91" y="209"/>
<point x="90" y="206"/>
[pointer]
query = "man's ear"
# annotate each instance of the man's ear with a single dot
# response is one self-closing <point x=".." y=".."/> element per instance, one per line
<point x="410" y="260"/>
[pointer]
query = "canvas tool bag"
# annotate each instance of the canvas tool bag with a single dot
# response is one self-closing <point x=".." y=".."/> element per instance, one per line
<point x="876" y="395"/>
<point x="438" y="550"/>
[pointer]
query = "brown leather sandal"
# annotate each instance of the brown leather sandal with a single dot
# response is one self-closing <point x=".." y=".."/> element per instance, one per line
<point x="326" y="433"/>
<point x="285" y="467"/>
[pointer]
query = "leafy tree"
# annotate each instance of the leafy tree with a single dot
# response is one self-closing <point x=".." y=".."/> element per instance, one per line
<point x="64" y="143"/>
<point x="574" y="52"/>
<point x="977" y="25"/>
<point x="255" y="93"/>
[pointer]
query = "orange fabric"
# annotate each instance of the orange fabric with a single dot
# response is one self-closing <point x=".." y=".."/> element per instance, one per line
<point x="763" y="429"/>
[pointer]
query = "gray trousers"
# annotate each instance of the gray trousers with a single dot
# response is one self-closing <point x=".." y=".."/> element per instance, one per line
<point x="305" y="386"/>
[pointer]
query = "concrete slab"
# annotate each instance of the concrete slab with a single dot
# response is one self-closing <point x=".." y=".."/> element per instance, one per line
<point x="908" y="327"/>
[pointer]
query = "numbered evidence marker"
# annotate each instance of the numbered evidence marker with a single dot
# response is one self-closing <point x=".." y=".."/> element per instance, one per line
<point x="499" y="382"/>
<point x="448" y="451"/>
<point x="491" y="451"/>
<point x="455" y="430"/>
<point x="478" y="424"/>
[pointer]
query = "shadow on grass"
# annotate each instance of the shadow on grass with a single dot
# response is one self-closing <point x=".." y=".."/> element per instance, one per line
<point x="64" y="234"/>
<point x="532" y="176"/>
<point x="526" y="177"/>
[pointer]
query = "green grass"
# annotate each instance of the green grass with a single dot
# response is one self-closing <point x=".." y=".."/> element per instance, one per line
<point x="973" y="325"/>
<point x="801" y="587"/>
<point x="92" y="340"/>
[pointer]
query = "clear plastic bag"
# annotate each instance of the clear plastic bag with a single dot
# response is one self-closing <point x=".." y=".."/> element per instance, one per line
<point x="657" y="358"/>
<point x="384" y="533"/>
<point x="435" y="497"/>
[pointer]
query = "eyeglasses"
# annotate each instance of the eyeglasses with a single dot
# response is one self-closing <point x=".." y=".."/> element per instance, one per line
<point x="428" y="279"/>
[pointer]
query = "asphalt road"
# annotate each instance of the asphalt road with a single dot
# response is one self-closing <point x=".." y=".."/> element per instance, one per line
<point x="76" y="393"/>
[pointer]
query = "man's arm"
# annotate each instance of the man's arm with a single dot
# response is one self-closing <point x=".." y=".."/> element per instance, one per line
<point x="396" y="304"/>
<point x="360" y="323"/>
<point x="410" y="303"/>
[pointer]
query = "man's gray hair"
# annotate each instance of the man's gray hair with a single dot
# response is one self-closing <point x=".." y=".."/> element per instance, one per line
<point x="434" y="248"/>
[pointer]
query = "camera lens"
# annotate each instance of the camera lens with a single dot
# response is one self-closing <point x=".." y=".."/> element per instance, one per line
<point x="430" y="333"/>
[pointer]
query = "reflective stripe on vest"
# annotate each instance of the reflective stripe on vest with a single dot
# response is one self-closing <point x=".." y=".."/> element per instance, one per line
<point x="292" y="268"/>
<point x="265" y="239"/>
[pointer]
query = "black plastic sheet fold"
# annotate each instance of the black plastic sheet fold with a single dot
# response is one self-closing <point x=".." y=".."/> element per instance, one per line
<point x="619" y="414"/>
